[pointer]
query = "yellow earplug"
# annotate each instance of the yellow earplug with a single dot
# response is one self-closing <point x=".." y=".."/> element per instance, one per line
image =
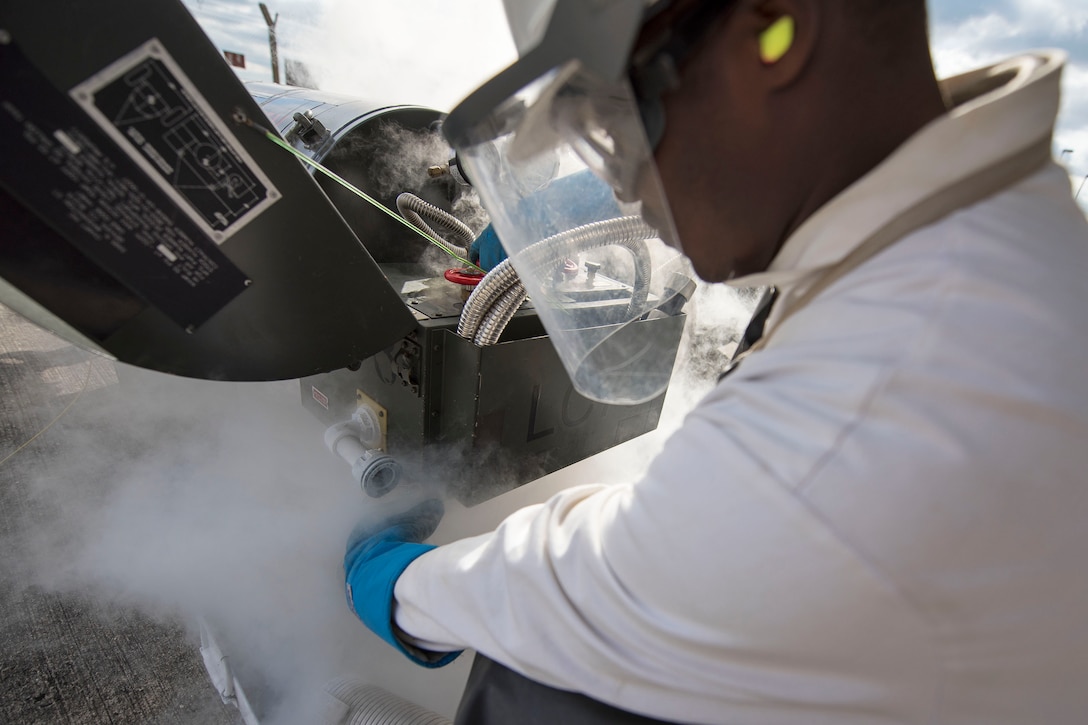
<point x="776" y="40"/>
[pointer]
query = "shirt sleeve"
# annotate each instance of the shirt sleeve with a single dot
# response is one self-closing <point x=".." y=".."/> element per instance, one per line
<point x="705" y="590"/>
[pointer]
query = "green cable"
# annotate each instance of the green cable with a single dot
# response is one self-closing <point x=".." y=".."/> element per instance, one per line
<point x="360" y="193"/>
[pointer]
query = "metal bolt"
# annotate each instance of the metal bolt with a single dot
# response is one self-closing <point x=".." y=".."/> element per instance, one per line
<point x="591" y="270"/>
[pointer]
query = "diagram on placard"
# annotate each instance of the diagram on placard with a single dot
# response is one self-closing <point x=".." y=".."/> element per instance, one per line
<point x="147" y="104"/>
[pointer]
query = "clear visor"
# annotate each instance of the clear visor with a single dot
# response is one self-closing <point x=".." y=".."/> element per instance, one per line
<point x="566" y="172"/>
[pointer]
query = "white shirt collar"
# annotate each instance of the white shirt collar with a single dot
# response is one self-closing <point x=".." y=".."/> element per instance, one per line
<point x="998" y="111"/>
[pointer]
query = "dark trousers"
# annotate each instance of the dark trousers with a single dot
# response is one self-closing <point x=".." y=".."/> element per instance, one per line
<point x="496" y="695"/>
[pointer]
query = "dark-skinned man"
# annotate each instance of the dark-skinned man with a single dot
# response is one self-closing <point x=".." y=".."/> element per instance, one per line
<point x="878" y="515"/>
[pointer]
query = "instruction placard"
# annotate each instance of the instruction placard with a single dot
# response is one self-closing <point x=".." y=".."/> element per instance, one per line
<point x="157" y="116"/>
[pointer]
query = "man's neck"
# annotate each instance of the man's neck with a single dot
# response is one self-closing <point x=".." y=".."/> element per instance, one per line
<point x="883" y="113"/>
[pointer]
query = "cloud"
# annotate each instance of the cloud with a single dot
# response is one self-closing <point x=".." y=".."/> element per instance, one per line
<point x="1056" y="18"/>
<point x="974" y="33"/>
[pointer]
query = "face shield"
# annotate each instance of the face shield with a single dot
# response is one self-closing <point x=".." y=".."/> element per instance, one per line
<point x="567" y="174"/>
<point x="559" y="154"/>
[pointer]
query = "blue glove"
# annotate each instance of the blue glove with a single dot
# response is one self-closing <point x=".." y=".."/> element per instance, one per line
<point x="376" y="556"/>
<point x="486" y="252"/>
<point x="582" y="197"/>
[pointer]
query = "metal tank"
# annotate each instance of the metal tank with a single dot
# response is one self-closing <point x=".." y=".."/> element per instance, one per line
<point x="432" y="402"/>
<point x="363" y="141"/>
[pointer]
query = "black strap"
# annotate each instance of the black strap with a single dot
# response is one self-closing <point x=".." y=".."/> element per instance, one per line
<point x="496" y="695"/>
<point x="754" y="332"/>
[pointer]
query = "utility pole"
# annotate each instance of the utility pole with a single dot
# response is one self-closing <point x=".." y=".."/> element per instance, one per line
<point x="272" y="41"/>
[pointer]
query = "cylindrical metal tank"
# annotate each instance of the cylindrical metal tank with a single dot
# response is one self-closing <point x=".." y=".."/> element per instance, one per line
<point x="383" y="150"/>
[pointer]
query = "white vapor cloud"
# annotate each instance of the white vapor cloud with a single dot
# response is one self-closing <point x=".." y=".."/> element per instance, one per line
<point x="418" y="52"/>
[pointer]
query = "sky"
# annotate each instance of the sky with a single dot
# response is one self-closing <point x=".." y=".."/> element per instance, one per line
<point x="435" y="52"/>
<point x="425" y="52"/>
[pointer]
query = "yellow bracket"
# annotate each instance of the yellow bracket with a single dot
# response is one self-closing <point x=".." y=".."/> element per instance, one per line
<point x="365" y="401"/>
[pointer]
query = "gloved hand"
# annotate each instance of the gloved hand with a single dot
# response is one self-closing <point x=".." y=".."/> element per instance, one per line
<point x="377" y="554"/>
<point x="582" y="197"/>
<point x="486" y="252"/>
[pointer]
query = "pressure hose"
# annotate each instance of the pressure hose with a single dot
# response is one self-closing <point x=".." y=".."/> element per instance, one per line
<point x="352" y="702"/>
<point x="480" y="302"/>
<point x="421" y="215"/>
<point x="495" y="300"/>
<point x="500" y="314"/>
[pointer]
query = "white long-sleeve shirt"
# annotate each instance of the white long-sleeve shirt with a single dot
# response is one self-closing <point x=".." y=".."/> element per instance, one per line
<point x="880" y="517"/>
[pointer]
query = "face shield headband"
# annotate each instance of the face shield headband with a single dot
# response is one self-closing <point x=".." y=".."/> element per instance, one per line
<point x="654" y="67"/>
<point x="649" y="46"/>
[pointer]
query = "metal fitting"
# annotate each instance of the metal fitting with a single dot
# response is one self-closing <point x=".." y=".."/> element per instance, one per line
<point x="378" y="473"/>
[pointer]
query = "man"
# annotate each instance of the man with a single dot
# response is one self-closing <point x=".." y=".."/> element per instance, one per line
<point x="877" y="517"/>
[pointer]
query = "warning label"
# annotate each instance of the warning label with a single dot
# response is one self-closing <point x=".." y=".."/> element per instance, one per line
<point x="158" y="117"/>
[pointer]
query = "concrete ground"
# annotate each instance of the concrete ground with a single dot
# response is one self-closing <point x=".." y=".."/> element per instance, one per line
<point x="63" y="658"/>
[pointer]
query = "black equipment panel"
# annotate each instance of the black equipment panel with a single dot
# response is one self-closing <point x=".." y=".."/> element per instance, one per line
<point x="142" y="214"/>
<point x="103" y="204"/>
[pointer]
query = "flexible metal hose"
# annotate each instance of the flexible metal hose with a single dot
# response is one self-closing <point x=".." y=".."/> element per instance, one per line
<point x="357" y="703"/>
<point x="491" y="307"/>
<point x="419" y="213"/>
<point x="500" y="314"/>
<point x="490" y="288"/>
